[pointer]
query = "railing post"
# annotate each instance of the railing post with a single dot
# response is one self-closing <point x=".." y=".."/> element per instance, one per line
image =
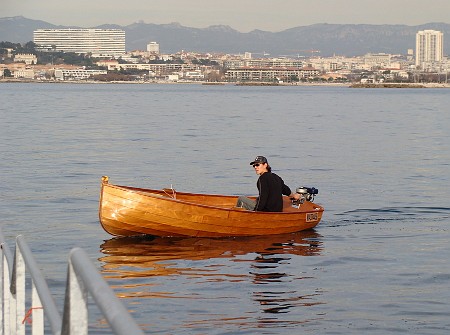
<point x="2" y="293"/>
<point x="75" y="318"/>
<point x="2" y="323"/>
<point x="6" y="295"/>
<point x="41" y="298"/>
<point x="37" y="312"/>
<point x="18" y="291"/>
<point x="113" y="310"/>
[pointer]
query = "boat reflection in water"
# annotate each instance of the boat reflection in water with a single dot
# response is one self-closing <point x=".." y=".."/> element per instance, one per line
<point x="216" y="271"/>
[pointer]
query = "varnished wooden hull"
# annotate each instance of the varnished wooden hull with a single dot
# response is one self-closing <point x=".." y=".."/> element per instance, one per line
<point x="129" y="211"/>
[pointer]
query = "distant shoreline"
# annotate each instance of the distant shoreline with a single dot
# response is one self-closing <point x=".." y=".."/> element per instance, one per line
<point x="402" y="85"/>
<point x="349" y="85"/>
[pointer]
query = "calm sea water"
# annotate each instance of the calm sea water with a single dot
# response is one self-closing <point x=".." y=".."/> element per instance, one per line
<point x="378" y="263"/>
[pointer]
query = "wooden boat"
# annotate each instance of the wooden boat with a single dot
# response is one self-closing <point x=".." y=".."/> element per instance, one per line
<point x="130" y="211"/>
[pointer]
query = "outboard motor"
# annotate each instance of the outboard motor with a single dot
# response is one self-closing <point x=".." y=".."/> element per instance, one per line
<point x="306" y="193"/>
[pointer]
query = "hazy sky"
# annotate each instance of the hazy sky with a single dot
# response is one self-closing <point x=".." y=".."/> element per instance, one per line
<point x="242" y="15"/>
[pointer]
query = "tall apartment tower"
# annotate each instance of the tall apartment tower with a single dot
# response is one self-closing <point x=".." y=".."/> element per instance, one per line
<point x="429" y="47"/>
<point x="108" y="42"/>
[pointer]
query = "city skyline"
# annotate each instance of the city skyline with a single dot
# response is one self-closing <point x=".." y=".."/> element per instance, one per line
<point x="242" y="16"/>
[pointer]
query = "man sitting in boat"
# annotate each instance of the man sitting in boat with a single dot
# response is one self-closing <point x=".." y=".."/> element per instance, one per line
<point x="271" y="189"/>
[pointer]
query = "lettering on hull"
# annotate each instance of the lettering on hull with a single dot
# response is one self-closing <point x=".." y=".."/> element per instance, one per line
<point x="312" y="217"/>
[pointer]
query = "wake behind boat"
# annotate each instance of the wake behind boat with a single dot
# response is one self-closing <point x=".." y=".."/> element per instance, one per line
<point x="130" y="211"/>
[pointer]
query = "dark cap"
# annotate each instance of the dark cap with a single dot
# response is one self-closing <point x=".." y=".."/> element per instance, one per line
<point x="259" y="159"/>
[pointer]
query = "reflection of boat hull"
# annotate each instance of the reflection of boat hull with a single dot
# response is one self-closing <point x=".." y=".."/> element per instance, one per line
<point x="128" y="211"/>
<point x="127" y="258"/>
<point x="145" y="251"/>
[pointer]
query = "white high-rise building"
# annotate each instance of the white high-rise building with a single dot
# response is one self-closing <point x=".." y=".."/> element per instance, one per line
<point x="429" y="47"/>
<point x="98" y="42"/>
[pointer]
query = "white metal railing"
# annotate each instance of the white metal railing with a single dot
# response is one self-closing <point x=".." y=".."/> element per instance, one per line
<point x="82" y="278"/>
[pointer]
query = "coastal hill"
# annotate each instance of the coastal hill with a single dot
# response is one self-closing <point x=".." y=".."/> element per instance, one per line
<point x="324" y="39"/>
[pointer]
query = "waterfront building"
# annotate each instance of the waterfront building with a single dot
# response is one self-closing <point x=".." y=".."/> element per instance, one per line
<point x="337" y="63"/>
<point x="130" y="59"/>
<point x="377" y="60"/>
<point x="76" y="74"/>
<point x="153" y="47"/>
<point x="161" y="70"/>
<point x="158" y="70"/>
<point x="25" y="58"/>
<point x="270" y="74"/>
<point x="233" y="63"/>
<point x="24" y="73"/>
<point x="110" y="64"/>
<point x="98" y="42"/>
<point x="274" y="62"/>
<point x="193" y="75"/>
<point x="429" y="48"/>
<point x="17" y="70"/>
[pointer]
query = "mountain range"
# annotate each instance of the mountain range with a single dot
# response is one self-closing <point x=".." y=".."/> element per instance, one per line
<point x="325" y="39"/>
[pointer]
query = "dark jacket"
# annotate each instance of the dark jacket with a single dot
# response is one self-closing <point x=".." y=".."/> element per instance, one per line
<point x="271" y="188"/>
